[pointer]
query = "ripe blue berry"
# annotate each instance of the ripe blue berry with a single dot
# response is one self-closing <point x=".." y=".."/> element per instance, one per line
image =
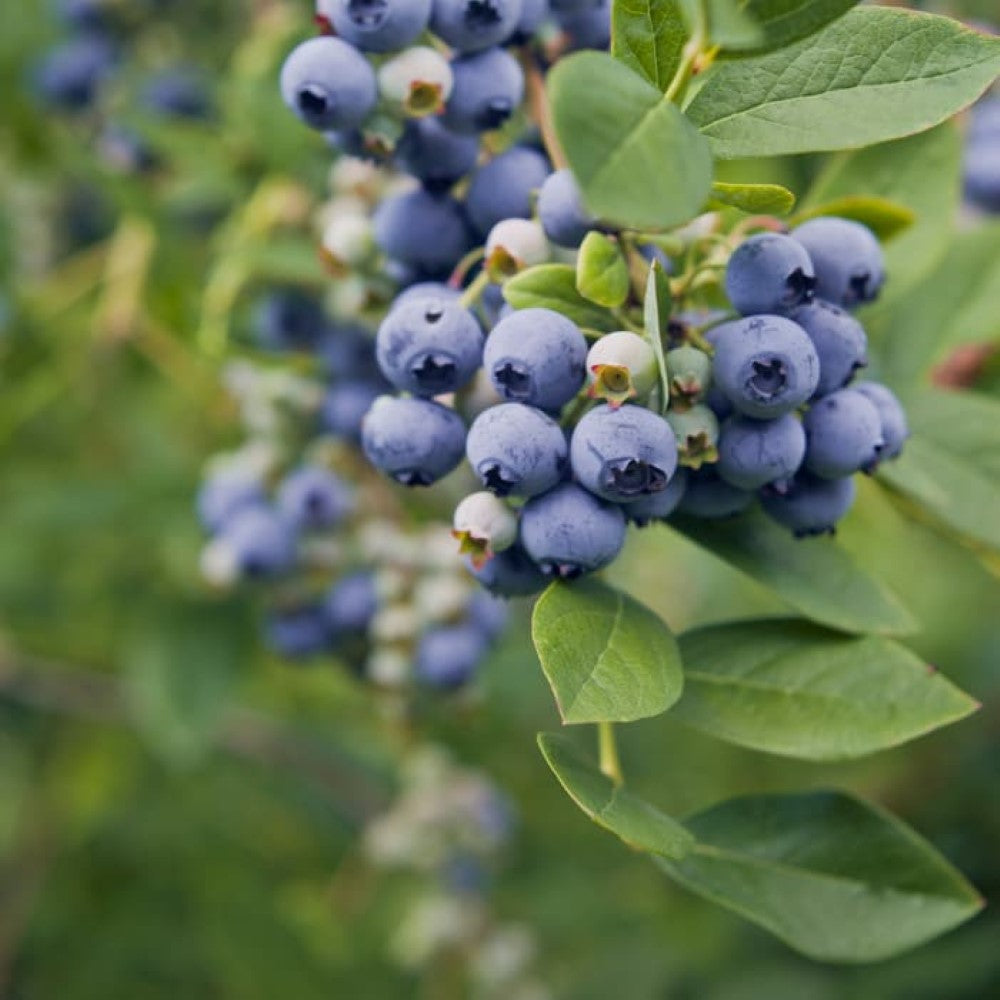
<point x="328" y="84"/>
<point x="351" y="603"/>
<point x="223" y="494"/>
<point x="982" y="173"/>
<point x="473" y="25"/>
<point x="312" y="498"/>
<point x="753" y="453"/>
<point x="516" y="450"/>
<point x="346" y="353"/>
<point x="415" y="441"/>
<point x="503" y="188"/>
<point x="434" y="155"/>
<point x="260" y="543"/>
<point x="658" y="506"/>
<point x="895" y="429"/>
<point x="69" y="75"/>
<point x="586" y="27"/>
<point x="510" y="573"/>
<point x="344" y="407"/>
<point x="489" y="614"/>
<point x="429" y="345"/>
<point x="568" y="531"/>
<point x="488" y="88"/>
<point x="840" y="343"/>
<point x="288" y="320"/>
<point x="376" y="25"/>
<point x="709" y="497"/>
<point x="178" y="93"/>
<point x="424" y="230"/>
<point x="623" y="454"/>
<point x="765" y="365"/>
<point x="810" y="505"/>
<point x="769" y="273"/>
<point x="447" y="656"/>
<point x="843" y="435"/>
<point x="533" y="15"/>
<point x="561" y="210"/>
<point x="850" y="268"/>
<point x="536" y="356"/>
<point x="297" y="632"/>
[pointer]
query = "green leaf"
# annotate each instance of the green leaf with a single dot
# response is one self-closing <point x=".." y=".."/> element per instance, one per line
<point x="641" y="825"/>
<point x="833" y="877"/>
<point x="780" y="22"/>
<point x="757" y="199"/>
<point x="814" y="575"/>
<point x="951" y="463"/>
<point x="791" y="688"/>
<point x="638" y="160"/>
<point x="884" y="218"/>
<point x="957" y="303"/>
<point x="656" y="304"/>
<point x="648" y="36"/>
<point x="601" y="271"/>
<point x="553" y="286"/>
<point x="923" y="174"/>
<point x="607" y="657"/>
<point x="731" y="26"/>
<point x="875" y="74"/>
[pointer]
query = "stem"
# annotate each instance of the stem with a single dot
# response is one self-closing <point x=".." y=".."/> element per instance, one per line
<point x="471" y="295"/>
<point x="608" y="748"/>
<point x="691" y="58"/>
<point x="465" y="265"/>
<point x="540" y="110"/>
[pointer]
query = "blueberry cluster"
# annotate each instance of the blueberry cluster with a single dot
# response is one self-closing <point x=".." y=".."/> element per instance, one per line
<point x="377" y="89"/>
<point x="982" y="155"/>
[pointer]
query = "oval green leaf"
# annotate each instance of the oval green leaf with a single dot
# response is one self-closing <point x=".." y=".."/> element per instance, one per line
<point x="757" y="199"/>
<point x="601" y="271"/>
<point x="814" y="575"/>
<point x="638" y="160"/>
<point x="641" y="825"/>
<point x="791" y="688"/>
<point x="607" y="657"/>
<point x="778" y="22"/>
<point x="648" y="36"/>
<point x="833" y="877"/>
<point x="553" y="286"/>
<point x="876" y="74"/>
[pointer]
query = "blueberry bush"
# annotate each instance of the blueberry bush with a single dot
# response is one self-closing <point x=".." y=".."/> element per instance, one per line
<point x="677" y="318"/>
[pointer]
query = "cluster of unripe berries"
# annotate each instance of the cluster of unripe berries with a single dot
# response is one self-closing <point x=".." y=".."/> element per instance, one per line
<point x="281" y="520"/>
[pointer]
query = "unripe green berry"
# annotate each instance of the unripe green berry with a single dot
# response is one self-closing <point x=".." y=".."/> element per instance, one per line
<point x="621" y="366"/>
<point x="418" y="79"/>
<point x="697" y="432"/>
<point x="484" y="525"/>
<point x="690" y="372"/>
<point x="513" y="245"/>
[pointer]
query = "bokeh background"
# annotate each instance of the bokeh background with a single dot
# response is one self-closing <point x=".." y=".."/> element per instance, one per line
<point x="180" y="813"/>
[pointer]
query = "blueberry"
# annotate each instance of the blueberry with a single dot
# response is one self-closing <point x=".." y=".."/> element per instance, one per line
<point x="623" y="454"/>
<point x="895" y="430"/>
<point x="503" y="188"/>
<point x="568" y="531"/>
<point x="690" y="372"/>
<point x="765" y="365"/>
<point x="561" y="210"/>
<point x="696" y="430"/>
<point x="123" y="149"/>
<point x="424" y="230"/>
<point x="850" y="268"/>
<point x="297" y="632"/>
<point x="288" y="320"/>
<point x="376" y="25"/>
<point x="839" y="340"/>
<point x="344" y="407"/>
<point x="810" y="505"/>
<point x="329" y="84"/>
<point x="223" y="494"/>
<point x="489" y="87"/>
<point x="753" y="453"/>
<point x="533" y="16"/>
<point x="510" y="573"/>
<point x="707" y="496"/>
<point x="588" y="26"/>
<point x="447" y="656"/>
<point x="69" y="75"/>
<point x="427" y="289"/>
<point x="351" y="603"/>
<point x="473" y="25"/>
<point x="512" y="245"/>
<point x="536" y="356"/>
<point x="312" y="497"/>
<point x="516" y="450"/>
<point x="843" y="435"/>
<point x="982" y="173"/>
<point x="346" y="352"/>
<point x="416" y="82"/>
<point x="984" y="120"/>
<point x="429" y="345"/>
<point x="434" y="155"/>
<point x="415" y="441"/>
<point x="621" y="366"/>
<point x="488" y="614"/>
<point x="658" y="506"/>
<point x="259" y="541"/>
<point x="769" y="273"/>
<point x="178" y="93"/>
<point x="484" y="525"/>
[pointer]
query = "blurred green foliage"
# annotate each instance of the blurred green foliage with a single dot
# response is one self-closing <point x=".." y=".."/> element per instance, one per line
<point x="178" y="812"/>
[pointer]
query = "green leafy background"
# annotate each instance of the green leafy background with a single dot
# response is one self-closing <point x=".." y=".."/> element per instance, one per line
<point x="178" y="811"/>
